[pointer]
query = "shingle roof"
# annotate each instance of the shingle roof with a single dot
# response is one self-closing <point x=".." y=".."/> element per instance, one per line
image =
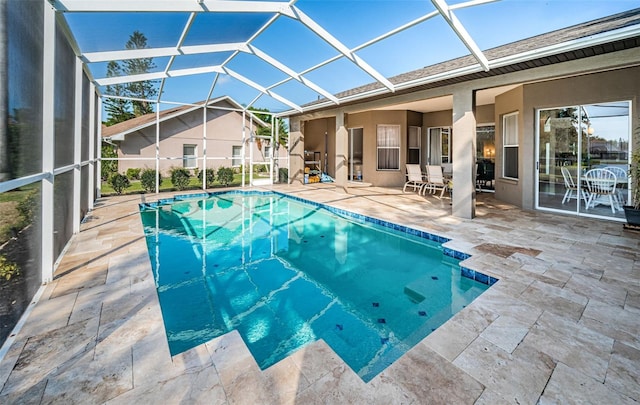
<point x="137" y="123"/>
<point x="539" y="42"/>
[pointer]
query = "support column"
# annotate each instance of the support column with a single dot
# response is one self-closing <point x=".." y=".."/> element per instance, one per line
<point x="157" y="147"/>
<point x="4" y="150"/>
<point x="204" y="148"/>
<point x="98" y="138"/>
<point x="92" y="144"/>
<point x="77" y="148"/>
<point x="296" y="151"/>
<point x="464" y="151"/>
<point x="48" y="144"/>
<point x="342" y="150"/>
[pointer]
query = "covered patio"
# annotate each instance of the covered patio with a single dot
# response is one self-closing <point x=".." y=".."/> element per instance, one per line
<point x="560" y="325"/>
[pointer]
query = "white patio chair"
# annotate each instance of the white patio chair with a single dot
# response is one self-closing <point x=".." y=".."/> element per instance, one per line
<point x="621" y="177"/>
<point x="414" y="178"/>
<point x="602" y="187"/>
<point x="435" y="180"/>
<point x="572" y="188"/>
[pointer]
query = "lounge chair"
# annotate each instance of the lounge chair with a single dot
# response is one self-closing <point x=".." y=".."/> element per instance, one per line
<point x="414" y="178"/>
<point x="435" y="180"/>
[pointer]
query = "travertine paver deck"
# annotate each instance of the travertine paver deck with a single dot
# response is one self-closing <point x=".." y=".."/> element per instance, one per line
<point x="561" y="326"/>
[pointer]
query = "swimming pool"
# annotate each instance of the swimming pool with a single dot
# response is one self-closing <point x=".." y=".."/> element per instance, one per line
<point x="285" y="272"/>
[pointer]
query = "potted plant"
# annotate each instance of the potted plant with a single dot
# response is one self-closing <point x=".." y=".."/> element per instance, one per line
<point x="632" y="211"/>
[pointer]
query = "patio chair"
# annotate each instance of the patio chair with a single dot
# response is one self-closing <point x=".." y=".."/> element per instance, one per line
<point x="572" y="188"/>
<point x="435" y="180"/>
<point x="414" y="178"/>
<point x="621" y="180"/>
<point x="602" y="188"/>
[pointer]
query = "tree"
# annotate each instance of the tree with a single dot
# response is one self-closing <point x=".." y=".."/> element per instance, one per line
<point x="121" y="109"/>
<point x="144" y="90"/>
<point x="283" y="131"/>
<point x="118" y="109"/>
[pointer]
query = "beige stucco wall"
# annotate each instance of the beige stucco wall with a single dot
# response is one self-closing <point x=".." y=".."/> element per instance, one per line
<point x="485" y="114"/>
<point x="224" y="130"/>
<point x="437" y="119"/>
<point x="369" y="121"/>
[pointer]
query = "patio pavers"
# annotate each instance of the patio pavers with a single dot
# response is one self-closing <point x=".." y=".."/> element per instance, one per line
<point x="561" y="325"/>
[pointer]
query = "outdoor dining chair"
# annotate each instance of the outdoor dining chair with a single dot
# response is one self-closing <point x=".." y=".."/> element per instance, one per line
<point x="572" y="188"/>
<point x="602" y="188"/>
<point x="621" y="178"/>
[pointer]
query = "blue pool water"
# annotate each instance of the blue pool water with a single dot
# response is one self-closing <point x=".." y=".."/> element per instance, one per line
<point x="285" y="273"/>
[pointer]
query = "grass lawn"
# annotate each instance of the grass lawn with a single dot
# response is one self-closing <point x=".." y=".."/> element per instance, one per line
<point x="9" y="215"/>
<point x="194" y="184"/>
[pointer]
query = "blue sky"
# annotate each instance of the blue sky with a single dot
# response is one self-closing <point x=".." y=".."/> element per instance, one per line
<point x="352" y="22"/>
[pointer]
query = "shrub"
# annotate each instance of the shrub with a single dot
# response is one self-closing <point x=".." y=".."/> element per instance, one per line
<point x="8" y="268"/>
<point x="148" y="179"/>
<point x="211" y="176"/>
<point x="119" y="182"/>
<point x="133" y="174"/>
<point x="180" y="178"/>
<point x="225" y="175"/>
<point x="108" y="167"/>
<point x="260" y="168"/>
<point x="283" y="175"/>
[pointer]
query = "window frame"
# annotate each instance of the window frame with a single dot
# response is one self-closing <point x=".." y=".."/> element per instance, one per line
<point x="418" y="148"/>
<point x="186" y="158"/>
<point x="510" y="146"/>
<point x="236" y="160"/>
<point x="391" y="148"/>
<point x="445" y="158"/>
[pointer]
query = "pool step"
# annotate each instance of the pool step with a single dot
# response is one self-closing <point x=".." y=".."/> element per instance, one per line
<point x="413" y="295"/>
<point x="418" y="290"/>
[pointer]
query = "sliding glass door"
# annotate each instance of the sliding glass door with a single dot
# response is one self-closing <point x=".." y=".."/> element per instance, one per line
<point x="573" y="140"/>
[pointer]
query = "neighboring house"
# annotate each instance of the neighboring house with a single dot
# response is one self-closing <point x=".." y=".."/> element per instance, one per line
<point x="546" y="102"/>
<point x="181" y="134"/>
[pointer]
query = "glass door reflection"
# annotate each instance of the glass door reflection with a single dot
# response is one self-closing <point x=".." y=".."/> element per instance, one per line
<point x="573" y="140"/>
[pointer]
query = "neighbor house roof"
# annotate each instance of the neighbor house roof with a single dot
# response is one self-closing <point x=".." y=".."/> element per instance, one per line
<point x="613" y="33"/>
<point x="118" y="131"/>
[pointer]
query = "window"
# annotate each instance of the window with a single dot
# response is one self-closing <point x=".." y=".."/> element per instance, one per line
<point x="439" y="146"/>
<point x="236" y="154"/>
<point x="413" y="142"/>
<point x="266" y="150"/>
<point x="445" y="146"/>
<point x="189" y="158"/>
<point x="510" y="145"/>
<point x="388" y="145"/>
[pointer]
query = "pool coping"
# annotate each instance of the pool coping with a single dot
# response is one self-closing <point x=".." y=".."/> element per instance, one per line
<point x="456" y="254"/>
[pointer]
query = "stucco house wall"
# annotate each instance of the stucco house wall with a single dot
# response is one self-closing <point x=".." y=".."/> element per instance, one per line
<point x="369" y="122"/>
<point x="224" y="131"/>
